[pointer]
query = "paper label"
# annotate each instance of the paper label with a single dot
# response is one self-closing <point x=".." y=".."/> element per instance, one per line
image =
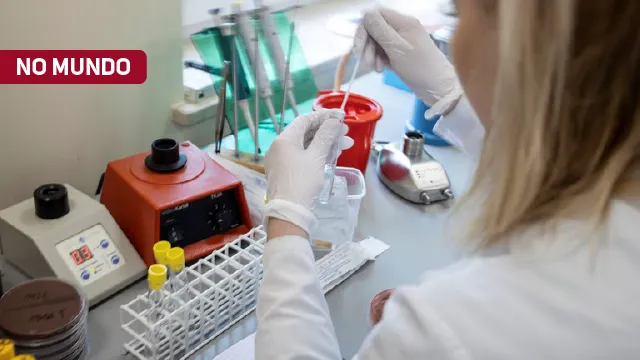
<point x="346" y="259"/>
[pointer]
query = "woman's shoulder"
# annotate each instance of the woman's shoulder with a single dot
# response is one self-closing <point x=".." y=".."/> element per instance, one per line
<point x="586" y="278"/>
<point x="571" y="250"/>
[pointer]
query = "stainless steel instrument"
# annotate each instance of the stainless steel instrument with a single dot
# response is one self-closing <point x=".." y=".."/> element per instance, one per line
<point x="410" y="172"/>
<point x="442" y="38"/>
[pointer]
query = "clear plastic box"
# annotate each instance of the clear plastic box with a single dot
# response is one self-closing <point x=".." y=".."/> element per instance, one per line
<point x="337" y="220"/>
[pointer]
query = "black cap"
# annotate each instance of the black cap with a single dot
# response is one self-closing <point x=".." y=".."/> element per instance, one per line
<point x="165" y="156"/>
<point x="51" y="201"/>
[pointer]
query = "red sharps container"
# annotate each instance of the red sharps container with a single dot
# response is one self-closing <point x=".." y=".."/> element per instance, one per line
<point x="362" y="114"/>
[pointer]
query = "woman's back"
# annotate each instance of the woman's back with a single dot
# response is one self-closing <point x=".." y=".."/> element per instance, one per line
<point x="564" y="293"/>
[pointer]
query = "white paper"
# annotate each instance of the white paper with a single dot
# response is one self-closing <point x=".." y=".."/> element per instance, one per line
<point x="340" y="264"/>
<point x="332" y="269"/>
<point x="344" y="259"/>
<point x="373" y="247"/>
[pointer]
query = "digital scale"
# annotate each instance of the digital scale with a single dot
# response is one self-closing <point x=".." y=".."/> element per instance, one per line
<point x="64" y="233"/>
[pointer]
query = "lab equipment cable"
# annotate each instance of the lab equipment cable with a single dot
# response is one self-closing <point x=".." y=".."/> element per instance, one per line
<point x="222" y="107"/>
<point x="275" y="48"/>
<point x="250" y="37"/>
<point x="287" y="72"/>
<point x="223" y="73"/>
<point x="100" y="183"/>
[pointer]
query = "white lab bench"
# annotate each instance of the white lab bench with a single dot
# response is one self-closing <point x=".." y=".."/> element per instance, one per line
<point x="415" y="233"/>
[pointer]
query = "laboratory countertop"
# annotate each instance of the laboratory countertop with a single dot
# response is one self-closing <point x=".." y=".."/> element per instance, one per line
<point x="415" y="233"/>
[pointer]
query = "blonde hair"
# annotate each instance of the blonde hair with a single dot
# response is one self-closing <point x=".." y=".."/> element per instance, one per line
<point x="565" y="130"/>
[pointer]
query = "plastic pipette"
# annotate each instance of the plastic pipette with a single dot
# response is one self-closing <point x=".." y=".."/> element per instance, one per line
<point x="330" y="168"/>
<point x="223" y="73"/>
<point x="250" y="36"/>
<point x="222" y="107"/>
<point x="241" y="90"/>
<point x="275" y="48"/>
<point x="353" y="77"/>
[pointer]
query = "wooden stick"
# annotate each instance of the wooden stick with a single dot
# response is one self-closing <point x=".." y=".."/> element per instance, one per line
<point x="245" y="159"/>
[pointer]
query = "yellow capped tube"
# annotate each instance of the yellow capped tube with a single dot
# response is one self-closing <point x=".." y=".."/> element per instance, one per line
<point x="160" y="250"/>
<point x="175" y="258"/>
<point x="24" y="357"/>
<point x="7" y="349"/>
<point x="157" y="276"/>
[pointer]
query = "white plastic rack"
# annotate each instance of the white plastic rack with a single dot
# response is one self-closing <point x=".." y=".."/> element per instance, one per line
<point x="222" y="289"/>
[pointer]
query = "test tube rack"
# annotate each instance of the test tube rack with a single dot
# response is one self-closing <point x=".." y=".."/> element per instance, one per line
<point x="221" y="289"/>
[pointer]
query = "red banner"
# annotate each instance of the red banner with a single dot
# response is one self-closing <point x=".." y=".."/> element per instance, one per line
<point x="73" y="67"/>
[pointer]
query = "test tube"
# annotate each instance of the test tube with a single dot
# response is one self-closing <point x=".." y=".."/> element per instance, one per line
<point x="160" y="250"/>
<point x="175" y="258"/>
<point x="330" y="168"/>
<point x="156" y="278"/>
<point x="7" y="349"/>
<point x="24" y="357"/>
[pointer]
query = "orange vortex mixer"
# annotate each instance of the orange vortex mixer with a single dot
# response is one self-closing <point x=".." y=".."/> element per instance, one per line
<point x="176" y="193"/>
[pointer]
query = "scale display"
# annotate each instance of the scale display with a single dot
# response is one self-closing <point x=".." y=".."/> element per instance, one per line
<point x="90" y="254"/>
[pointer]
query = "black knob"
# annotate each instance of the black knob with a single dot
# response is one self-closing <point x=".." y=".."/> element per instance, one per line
<point x="226" y="219"/>
<point x="175" y="235"/>
<point x="165" y="156"/>
<point x="51" y="201"/>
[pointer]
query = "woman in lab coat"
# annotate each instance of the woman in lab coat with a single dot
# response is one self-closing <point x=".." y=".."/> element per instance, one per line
<point x="556" y="84"/>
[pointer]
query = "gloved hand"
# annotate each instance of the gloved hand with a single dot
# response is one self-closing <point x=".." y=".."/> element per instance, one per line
<point x="295" y="164"/>
<point x="401" y="43"/>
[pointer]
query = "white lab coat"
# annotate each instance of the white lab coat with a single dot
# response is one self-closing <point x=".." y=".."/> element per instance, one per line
<point x="564" y="293"/>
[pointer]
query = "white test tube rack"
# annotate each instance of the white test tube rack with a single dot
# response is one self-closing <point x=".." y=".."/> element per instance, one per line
<point x="221" y="289"/>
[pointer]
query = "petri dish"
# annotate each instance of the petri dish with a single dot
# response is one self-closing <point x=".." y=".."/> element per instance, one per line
<point x="46" y="318"/>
